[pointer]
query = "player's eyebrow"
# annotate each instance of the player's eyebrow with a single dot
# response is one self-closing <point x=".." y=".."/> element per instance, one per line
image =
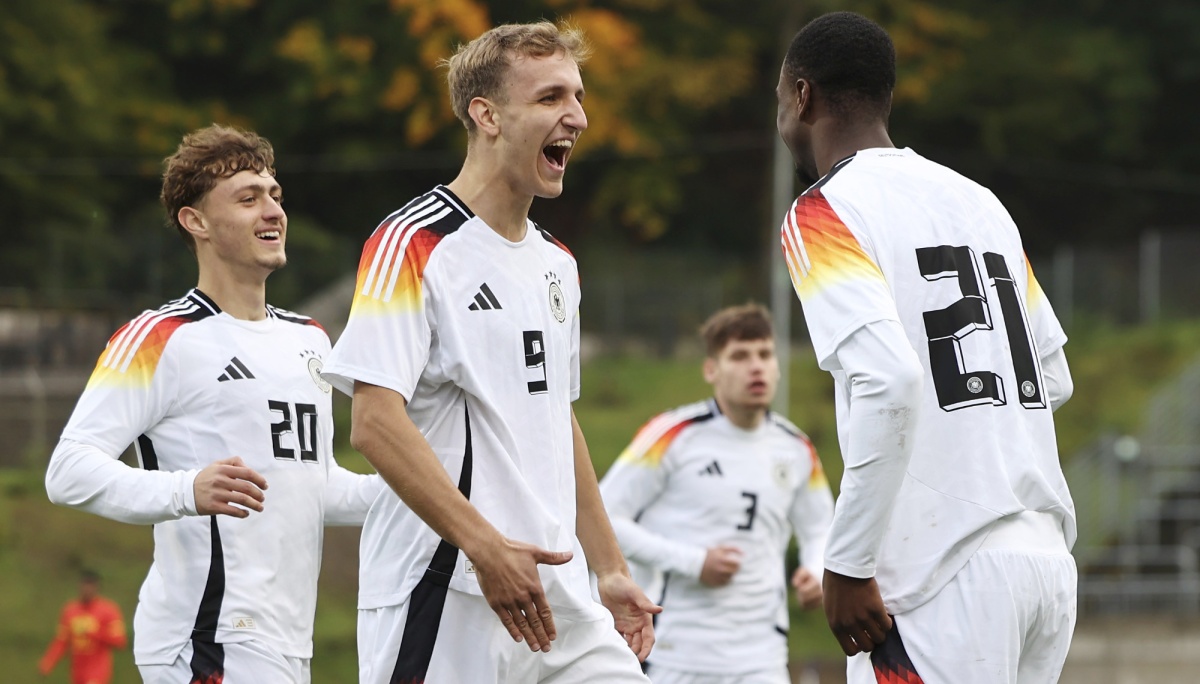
<point x="258" y="188"/>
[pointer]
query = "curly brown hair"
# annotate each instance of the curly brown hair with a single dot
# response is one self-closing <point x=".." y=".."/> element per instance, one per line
<point x="205" y="157"/>
<point x="477" y="69"/>
<point x="750" y="321"/>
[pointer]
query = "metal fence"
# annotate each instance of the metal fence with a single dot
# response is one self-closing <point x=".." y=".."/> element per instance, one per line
<point x="1138" y="503"/>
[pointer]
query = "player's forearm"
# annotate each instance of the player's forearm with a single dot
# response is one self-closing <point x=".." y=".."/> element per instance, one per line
<point x="652" y="549"/>
<point x="348" y="496"/>
<point x="591" y="521"/>
<point x="885" y="379"/>
<point x="382" y="432"/>
<point x="811" y="522"/>
<point x="84" y="477"/>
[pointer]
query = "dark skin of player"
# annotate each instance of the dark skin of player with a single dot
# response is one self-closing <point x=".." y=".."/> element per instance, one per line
<point x="819" y="137"/>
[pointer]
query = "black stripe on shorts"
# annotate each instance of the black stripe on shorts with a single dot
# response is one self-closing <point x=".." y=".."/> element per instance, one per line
<point x="891" y="662"/>
<point x="428" y="598"/>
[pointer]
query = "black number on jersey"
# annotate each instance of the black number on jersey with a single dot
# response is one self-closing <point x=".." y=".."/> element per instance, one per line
<point x="751" y="511"/>
<point x="957" y="387"/>
<point x="535" y="358"/>
<point x="306" y="420"/>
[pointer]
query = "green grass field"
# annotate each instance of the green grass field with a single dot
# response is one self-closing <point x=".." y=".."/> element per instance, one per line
<point x="43" y="546"/>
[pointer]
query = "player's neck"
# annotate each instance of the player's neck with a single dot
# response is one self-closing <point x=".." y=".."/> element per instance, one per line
<point x="745" y="417"/>
<point x="839" y="140"/>
<point x="243" y="298"/>
<point x="490" y="197"/>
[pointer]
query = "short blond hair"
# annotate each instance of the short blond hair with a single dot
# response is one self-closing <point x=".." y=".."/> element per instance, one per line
<point x="477" y="69"/>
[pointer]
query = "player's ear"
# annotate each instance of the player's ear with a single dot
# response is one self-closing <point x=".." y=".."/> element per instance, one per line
<point x="193" y="222"/>
<point x="804" y="103"/>
<point x="710" y="370"/>
<point x="485" y="115"/>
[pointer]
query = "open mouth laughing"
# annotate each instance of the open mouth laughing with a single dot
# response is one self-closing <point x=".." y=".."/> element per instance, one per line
<point x="557" y="153"/>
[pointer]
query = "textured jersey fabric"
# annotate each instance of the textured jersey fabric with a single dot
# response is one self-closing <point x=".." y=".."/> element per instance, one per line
<point x="480" y="335"/>
<point x="889" y="237"/>
<point x="690" y="480"/>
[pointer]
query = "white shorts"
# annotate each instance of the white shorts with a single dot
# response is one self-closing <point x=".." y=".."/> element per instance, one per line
<point x="665" y="675"/>
<point x="1006" y="618"/>
<point x="449" y="637"/>
<point x="244" y="662"/>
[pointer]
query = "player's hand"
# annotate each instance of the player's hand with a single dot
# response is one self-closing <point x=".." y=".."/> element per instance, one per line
<point x="720" y="563"/>
<point x="855" y="612"/>
<point x="509" y="580"/>
<point x="808" y="589"/>
<point x="227" y="482"/>
<point x="633" y="613"/>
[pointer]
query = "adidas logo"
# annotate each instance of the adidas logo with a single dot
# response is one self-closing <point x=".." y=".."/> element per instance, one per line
<point x="713" y="468"/>
<point x="236" y="370"/>
<point x="485" y="300"/>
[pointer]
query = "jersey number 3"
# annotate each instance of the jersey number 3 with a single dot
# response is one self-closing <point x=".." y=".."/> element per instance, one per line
<point x="957" y="387"/>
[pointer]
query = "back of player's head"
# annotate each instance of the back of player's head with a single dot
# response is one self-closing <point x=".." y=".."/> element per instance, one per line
<point x="477" y="69"/>
<point x="89" y="576"/>
<point x="849" y="58"/>
<point x="205" y="157"/>
<point x="750" y="321"/>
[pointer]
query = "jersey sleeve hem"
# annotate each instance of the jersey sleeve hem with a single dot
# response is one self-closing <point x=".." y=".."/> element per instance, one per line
<point x="857" y="571"/>
<point x="827" y="351"/>
<point x="344" y="377"/>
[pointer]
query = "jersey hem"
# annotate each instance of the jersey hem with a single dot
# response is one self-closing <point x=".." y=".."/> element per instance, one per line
<point x="344" y="377"/>
<point x="829" y="349"/>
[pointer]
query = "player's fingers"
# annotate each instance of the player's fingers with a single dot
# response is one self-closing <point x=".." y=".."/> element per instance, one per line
<point x="849" y="647"/>
<point x="551" y="557"/>
<point x="523" y="626"/>
<point x="647" y="634"/>
<point x="247" y="474"/>
<point x="506" y="619"/>
<point x="232" y="511"/>
<point x="243" y="500"/>
<point x="546" y="616"/>
<point x="242" y="493"/>
<point x="865" y="638"/>
<point x="538" y="628"/>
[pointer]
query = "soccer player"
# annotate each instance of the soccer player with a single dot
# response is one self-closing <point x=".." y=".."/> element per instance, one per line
<point x="707" y="497"/>
<point x="222" y="394"/>
<point x="90" y="627"/>
<point x="949" y="555"/>
<point x="462" y="354"/>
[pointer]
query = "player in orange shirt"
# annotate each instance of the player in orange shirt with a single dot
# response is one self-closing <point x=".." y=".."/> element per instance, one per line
<point x="91" y="626"/>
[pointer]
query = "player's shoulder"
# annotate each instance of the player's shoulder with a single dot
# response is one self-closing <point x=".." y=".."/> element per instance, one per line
<point x="431" y="216"/>
<point x="439" y="211"/>
<point x="150" y="331"/>
<point x="551" y="240"/>
<point x="660" y="432"/>
<point x="292" y="317"/>
<point x="788" y="429"/>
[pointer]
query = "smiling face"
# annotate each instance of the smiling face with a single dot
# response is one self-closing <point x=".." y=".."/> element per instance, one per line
<point x="540" y="116"/>
<point x="744" y="374"/>
<point x="240" y="224"/>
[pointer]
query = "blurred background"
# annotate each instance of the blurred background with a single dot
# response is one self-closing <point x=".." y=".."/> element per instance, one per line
<point x="1079" y="114"/>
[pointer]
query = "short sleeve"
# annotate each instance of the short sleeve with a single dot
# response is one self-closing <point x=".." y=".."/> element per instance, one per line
<point x="840" y="285"/>
<point x="1046" y="330"/>
<point x="388" y="336"/>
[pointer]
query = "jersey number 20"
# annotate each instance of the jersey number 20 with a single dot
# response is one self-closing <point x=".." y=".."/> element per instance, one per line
<point x="956" y="386"/>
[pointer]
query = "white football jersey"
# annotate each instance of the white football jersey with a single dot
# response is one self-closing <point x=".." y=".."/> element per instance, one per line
<point x="481" y="336"/>
<point x="691" y="480"/>
<point x="189" y="385"/>
<point x="888" y="235"/>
